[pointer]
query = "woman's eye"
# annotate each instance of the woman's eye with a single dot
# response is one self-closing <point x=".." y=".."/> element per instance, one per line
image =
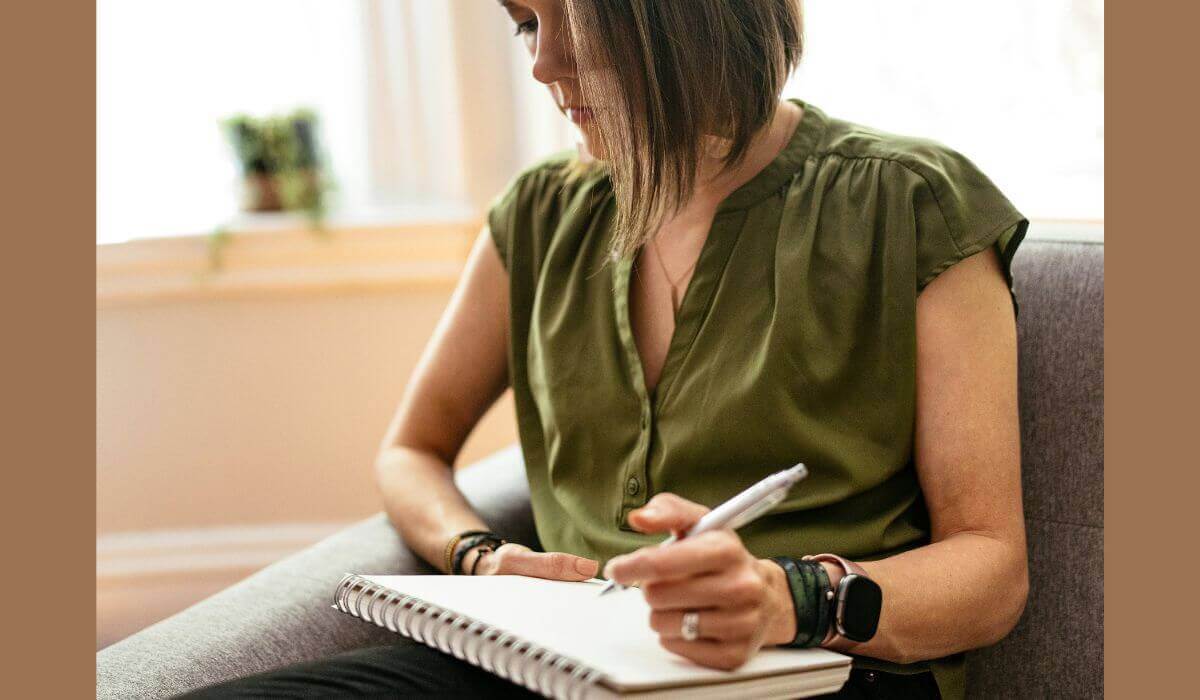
<point x="529" y="26"/>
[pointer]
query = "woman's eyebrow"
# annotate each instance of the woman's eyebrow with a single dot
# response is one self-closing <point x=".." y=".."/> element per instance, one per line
<point x="511" y="6"/>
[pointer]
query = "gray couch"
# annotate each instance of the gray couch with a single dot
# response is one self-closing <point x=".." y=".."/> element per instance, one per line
<point x="282" y="614"/>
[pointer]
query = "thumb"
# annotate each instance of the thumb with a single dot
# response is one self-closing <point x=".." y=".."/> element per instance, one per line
<point x="559" y="566"/>
<point x="666" y="512"/>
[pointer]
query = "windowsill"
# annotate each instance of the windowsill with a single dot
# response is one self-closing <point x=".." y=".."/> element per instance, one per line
<point x="278" y="254"/>
<point x="274" y="254"/>
<point x="1069" y="230"/>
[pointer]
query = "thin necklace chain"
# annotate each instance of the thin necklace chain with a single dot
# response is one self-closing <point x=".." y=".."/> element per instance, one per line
<point x="674" y="285"/>
<point x="663" y="266"/>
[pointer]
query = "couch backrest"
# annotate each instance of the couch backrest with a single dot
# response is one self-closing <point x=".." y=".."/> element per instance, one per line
<point x="1057" y="649"/>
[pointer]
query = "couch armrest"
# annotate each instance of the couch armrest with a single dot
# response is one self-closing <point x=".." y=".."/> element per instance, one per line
<point x="282" y="614"/>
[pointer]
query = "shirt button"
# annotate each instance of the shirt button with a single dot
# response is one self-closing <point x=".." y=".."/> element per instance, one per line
<point x="632" y="486"/>
<point x="870" y="676"/>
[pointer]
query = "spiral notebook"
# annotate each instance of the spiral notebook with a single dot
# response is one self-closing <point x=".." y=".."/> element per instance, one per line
<point x="559" y="639"/>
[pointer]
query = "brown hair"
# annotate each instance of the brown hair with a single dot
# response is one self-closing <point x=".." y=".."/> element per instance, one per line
<point x="660" y="75"/>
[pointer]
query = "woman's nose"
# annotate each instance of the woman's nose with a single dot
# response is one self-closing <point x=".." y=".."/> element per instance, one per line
<point x="553" y="60"/>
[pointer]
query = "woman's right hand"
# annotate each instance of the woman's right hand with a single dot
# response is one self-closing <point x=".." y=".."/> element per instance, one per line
<point x="517" y="559"/>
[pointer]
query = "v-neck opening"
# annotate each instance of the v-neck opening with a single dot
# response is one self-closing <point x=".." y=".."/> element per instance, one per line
<point x="723" y="232"/>
<point x="715" y="251"/>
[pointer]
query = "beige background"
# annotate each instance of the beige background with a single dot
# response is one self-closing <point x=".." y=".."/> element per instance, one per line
<point x="238" y="414"/>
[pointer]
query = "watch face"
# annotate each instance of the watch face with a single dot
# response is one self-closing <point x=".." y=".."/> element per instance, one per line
<point x="859" y="602"/>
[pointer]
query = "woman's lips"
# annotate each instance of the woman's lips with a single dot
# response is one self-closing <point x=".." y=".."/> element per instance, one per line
<point x="580" y="115"/>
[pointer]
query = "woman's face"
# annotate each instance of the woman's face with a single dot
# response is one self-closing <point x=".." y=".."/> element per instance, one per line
<point x="542" y="26"/>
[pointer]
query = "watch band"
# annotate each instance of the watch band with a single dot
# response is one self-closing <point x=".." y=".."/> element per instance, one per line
<point x="848" y="567"/>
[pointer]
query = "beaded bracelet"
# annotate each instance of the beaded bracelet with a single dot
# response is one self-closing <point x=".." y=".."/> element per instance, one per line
<point x="810" y="589"/>
<point x="471" y="542"/>
<point x="448" y="553"/>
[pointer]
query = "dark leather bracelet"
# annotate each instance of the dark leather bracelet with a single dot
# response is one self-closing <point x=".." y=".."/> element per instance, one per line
<point x="800" y="602"/>
<point x="824" y="602"/>
<point x="452" y="546"/>
<point x="809" y="586"/>
<point x="468" y="543"/>
<point x="485" y="549"/>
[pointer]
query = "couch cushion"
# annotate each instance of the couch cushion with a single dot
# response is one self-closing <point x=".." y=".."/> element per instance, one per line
<point x="283" y="613"/>
<point x="1058" y="645"/>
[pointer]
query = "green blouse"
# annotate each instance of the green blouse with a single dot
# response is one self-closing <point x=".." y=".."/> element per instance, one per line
<point x="795" y="341"/>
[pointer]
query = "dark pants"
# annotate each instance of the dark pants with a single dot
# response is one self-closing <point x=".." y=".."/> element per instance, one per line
<point x="412" y="670"/>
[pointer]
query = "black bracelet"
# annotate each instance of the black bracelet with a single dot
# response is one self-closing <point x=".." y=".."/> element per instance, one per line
<point x="486" y="549"/>
<point x="824" y="596"/>
<point x="470" y="542"/>
<point x="465" y="545"/>
<point x="452" y="546"/>
<point x="800" y="607"/>
<point x="809" y="586"/>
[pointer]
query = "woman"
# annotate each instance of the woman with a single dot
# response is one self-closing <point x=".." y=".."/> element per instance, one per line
<point x="717" y="285"/>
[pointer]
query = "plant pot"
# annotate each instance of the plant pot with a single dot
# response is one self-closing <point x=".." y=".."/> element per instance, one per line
<point x="260" y="192"/>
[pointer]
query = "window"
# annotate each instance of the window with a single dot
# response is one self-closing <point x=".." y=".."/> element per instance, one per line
<point x="168" y="71"/>
<point x="1017" y="87"/>
<point x="428" y="108"/>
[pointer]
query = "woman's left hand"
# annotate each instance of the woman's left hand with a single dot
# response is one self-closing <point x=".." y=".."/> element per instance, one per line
<point x="743" y="602"/>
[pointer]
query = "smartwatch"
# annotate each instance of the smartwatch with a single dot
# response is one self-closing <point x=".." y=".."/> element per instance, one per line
<point x="855" y="605"/>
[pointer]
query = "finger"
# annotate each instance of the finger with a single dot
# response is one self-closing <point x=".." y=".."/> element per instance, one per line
<point x="743" y="588"/>
<point x="502" y="560"/>
<point x="559" y="566"/>
<point x="725" y="655"/>
<point x="715" y="623"/>
<point x="666" y="512"/>
<point x="715" y="550"/>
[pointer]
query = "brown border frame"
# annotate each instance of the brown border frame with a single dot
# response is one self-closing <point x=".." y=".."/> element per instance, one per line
<point x="48" y="58"/>
<point x="1150" y="479"/>
<point x="47" y="55"/>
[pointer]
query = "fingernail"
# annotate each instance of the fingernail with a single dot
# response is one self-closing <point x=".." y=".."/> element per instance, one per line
<point x="586" y="567"/>
<point x="608" y="569"/>
<point x="648" y="511"/>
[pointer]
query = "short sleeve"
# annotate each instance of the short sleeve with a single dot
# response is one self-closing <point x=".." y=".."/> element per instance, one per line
<point x="959" y="211"/>
<point x="527" y="204"/>
<point x="501" y="215"/>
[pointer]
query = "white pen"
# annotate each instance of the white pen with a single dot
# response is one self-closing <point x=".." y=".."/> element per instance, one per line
<point x="739" y="510"/>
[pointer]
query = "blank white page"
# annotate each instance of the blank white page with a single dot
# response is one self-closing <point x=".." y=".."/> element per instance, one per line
<point x="610" y="634"/>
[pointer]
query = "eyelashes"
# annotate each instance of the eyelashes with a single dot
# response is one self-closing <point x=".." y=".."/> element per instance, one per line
<point x="529" y="26"/>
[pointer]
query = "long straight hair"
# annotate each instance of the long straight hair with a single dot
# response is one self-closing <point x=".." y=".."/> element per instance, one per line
<point x="661" y="75"/>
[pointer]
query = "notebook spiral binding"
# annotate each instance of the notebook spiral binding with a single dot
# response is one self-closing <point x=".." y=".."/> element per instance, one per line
<point x="535" y="667"/>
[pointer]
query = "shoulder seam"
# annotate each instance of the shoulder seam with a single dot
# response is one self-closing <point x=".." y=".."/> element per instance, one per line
<point x="914" y="171"/>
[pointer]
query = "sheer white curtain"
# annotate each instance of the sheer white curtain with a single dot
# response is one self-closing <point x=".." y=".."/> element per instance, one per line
<point x="428" y="108"/>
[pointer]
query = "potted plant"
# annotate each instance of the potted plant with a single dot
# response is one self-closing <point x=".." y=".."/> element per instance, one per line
<point x="281" y="168"/>
<point x="279" y="161"/>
